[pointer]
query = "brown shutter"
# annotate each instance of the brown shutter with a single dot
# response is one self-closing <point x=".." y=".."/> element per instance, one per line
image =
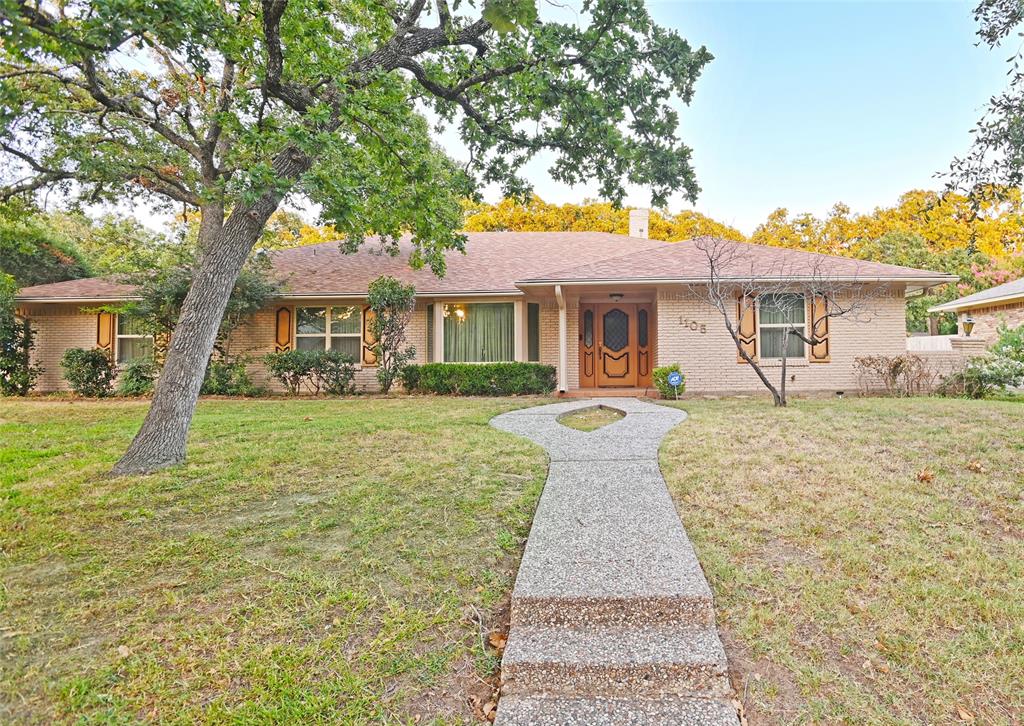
<point x="746" y="327"/>
<point x="283" y="330"/>
<point x="369" y="358"/>
<point x="820" y="353"/>
<point x="105" y="323"/>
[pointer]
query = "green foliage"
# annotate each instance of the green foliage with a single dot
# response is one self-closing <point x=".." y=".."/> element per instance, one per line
<point x="1010" y="343"/>
<point x="659" y="376"/>
<point x="480" y="379"/>
<point x="136" y="379"/>
<point x="33" y="252"/>
<point x="17" y="339"/>
<point x="163" y="292"/>
<point x="313" y="370"/>
<point x="983" y="377"/>
<point x="228" y="377"/>
<point x="392" y="303"/>
<point x="89" y="372"/>
<point x="114" y="244"/>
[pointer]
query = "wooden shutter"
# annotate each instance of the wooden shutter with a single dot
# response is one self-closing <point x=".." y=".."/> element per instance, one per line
<point x="283" y="330"/>
<point x="746" y="327"/>
<point x="369" y="358"/>
<point x="818" y="321"/>
<point x="105" y="332"/>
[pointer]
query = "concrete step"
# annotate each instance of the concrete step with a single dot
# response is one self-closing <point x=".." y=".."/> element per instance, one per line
<point x="614" y="661"/>
<point x="557" y="711"/>
<point x="636" y="610"/>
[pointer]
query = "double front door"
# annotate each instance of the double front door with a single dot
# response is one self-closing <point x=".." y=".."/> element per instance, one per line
<point x="615" y="345"/>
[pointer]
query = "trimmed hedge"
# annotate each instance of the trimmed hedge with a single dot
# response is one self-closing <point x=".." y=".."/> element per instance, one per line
<point x="660" y="379"/>
<point x="479" y="379"/>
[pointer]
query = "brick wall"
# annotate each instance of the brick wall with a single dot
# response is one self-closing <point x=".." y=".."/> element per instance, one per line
<point x="988" y="319"/>
<point x="58" y="327"/>
<point x="692" y="333"/>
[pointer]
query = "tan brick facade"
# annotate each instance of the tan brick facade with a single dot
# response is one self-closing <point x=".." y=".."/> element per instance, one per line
<point x="987" y="319"/>
<point x="687" y="331"/>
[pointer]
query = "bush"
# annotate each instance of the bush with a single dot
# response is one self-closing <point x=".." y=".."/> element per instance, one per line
<point x="660" y="379"/>
<point x="982" y="377"/>
<point x="898" y="375"/>
<point x="89" y="372"/>
<point x="17" y="339"/>
<point x="410" y="378"/>
<point x="480" y="379"/>
<point x="1010" y="343"/>
<point x="315" y="370"/>
<point x="228" y="378"/>
<point x="137" y="378"/>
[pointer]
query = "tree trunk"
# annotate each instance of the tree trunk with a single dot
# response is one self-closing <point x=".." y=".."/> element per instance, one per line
<point x="161" y="440"/>
<point x="780" y="400"/>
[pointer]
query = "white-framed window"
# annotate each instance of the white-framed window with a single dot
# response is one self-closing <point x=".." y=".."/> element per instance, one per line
<point x="777" y="314"/>
<point x="337" y="327"/>
<point x="479" y="332"/>
<point x="133" y="342"/>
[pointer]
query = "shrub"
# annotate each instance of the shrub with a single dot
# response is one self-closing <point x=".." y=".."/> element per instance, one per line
<point x="315" y="370"/>
<point x="1010" y="343"/>
<point x="410" y="378"/>
<point x="392" y="303"/>
<point x="137" y="378"/>
<point x="481" y="379"/>
<point x="660" y="379"/>
<point x="17" y="339"/>
<point x="228" y="377"/>
<point x="898" y="375"/>
<point x="982" y="377"/>
<point x="89" y="372"/>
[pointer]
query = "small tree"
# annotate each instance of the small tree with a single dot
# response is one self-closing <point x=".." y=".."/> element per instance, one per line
<point x="17" y="339"/>
<point x="392" y="303"/>
<point x="738" y="285"/>
<point x="163" y="293"/>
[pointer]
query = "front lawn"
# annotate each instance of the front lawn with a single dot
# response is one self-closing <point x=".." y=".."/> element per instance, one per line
<point x="867" y="555"/>
<point x="314" y="562"/>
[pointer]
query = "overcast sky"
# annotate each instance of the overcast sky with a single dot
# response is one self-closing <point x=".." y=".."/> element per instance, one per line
<point x="810" y="103"/>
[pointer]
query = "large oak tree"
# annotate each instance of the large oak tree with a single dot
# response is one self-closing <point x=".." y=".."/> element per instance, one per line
<point x="226" y="108"/>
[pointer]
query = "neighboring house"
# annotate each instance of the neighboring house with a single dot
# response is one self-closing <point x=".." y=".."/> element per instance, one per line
<point x="1002" y="304"/>
<point x="604" y="309"/>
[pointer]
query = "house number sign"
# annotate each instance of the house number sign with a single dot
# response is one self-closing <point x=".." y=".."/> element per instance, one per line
<point x="693" y="325"/>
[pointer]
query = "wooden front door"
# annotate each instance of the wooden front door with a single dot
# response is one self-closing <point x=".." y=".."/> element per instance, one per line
<point x="616" y="345"/>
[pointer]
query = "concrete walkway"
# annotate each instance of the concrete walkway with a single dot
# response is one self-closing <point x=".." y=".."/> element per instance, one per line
<point x="612" y="620"/>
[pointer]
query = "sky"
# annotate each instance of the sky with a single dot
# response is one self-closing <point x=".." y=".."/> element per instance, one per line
<point x="811" y="103"/>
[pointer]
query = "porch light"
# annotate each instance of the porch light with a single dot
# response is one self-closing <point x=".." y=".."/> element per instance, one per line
<point x="968" y="326"/>
<point x="616" y="296"/>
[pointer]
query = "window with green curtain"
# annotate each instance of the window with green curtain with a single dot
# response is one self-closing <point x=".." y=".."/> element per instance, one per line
<point x="479" y="332"/>
<point x="430" y="333"/>
<point x="133" y="340"/>
<point x="533" y="332"/>
<point x="778" y="313"/>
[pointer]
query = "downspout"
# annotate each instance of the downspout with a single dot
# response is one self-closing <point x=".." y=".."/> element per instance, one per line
<point x="563" y="351"/>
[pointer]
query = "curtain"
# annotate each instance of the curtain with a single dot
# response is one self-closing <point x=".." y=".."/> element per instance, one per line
<point x="483" y="333"/>
<point x="782" y="310"/>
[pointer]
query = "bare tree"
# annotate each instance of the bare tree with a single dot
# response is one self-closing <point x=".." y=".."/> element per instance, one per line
<point x="799" y="292"/>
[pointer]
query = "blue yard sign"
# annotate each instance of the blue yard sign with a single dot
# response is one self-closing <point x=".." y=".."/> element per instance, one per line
<point x="675" y="379"/>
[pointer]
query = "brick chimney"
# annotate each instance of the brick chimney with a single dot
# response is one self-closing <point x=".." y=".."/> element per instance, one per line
<point x="638" y="219"/>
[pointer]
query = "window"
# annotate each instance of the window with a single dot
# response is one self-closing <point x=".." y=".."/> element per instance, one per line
<point x="778" y="313"/>
<point x="533" y="332"/>
<point x="479" y="332"/>
<point x="331" y="328"/>
<point x="133" y="342"/>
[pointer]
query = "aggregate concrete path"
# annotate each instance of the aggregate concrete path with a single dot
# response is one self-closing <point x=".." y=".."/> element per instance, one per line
<point x="612" y="619"/>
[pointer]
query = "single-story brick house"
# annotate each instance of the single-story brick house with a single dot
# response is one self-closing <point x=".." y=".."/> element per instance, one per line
<point x="604" y="309"/>
<point x="988" y="309"/>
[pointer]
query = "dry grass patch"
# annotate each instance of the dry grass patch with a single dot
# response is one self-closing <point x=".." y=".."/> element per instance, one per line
<point x="313" y="562"/>
<point x="590" y="419"/>
<point x="867" y="556"/>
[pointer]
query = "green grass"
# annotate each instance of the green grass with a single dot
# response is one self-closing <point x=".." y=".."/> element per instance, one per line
<point x="590" y="419"/>
<point x="867" y="555"/>
<point x="313" y="562"/>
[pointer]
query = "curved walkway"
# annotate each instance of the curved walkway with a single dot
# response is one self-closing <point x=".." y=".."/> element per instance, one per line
<point x="612" y="619"/>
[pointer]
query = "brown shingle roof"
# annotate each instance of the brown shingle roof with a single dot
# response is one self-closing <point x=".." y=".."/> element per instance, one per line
<point x="496" y="261"/>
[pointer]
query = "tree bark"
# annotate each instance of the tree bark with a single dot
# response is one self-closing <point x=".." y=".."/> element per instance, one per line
<point x="162" y="439"/>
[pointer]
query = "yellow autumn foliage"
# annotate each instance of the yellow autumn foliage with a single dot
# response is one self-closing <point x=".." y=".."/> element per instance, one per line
<point x="944" y="221"/>
<point x="538" y="216"/>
